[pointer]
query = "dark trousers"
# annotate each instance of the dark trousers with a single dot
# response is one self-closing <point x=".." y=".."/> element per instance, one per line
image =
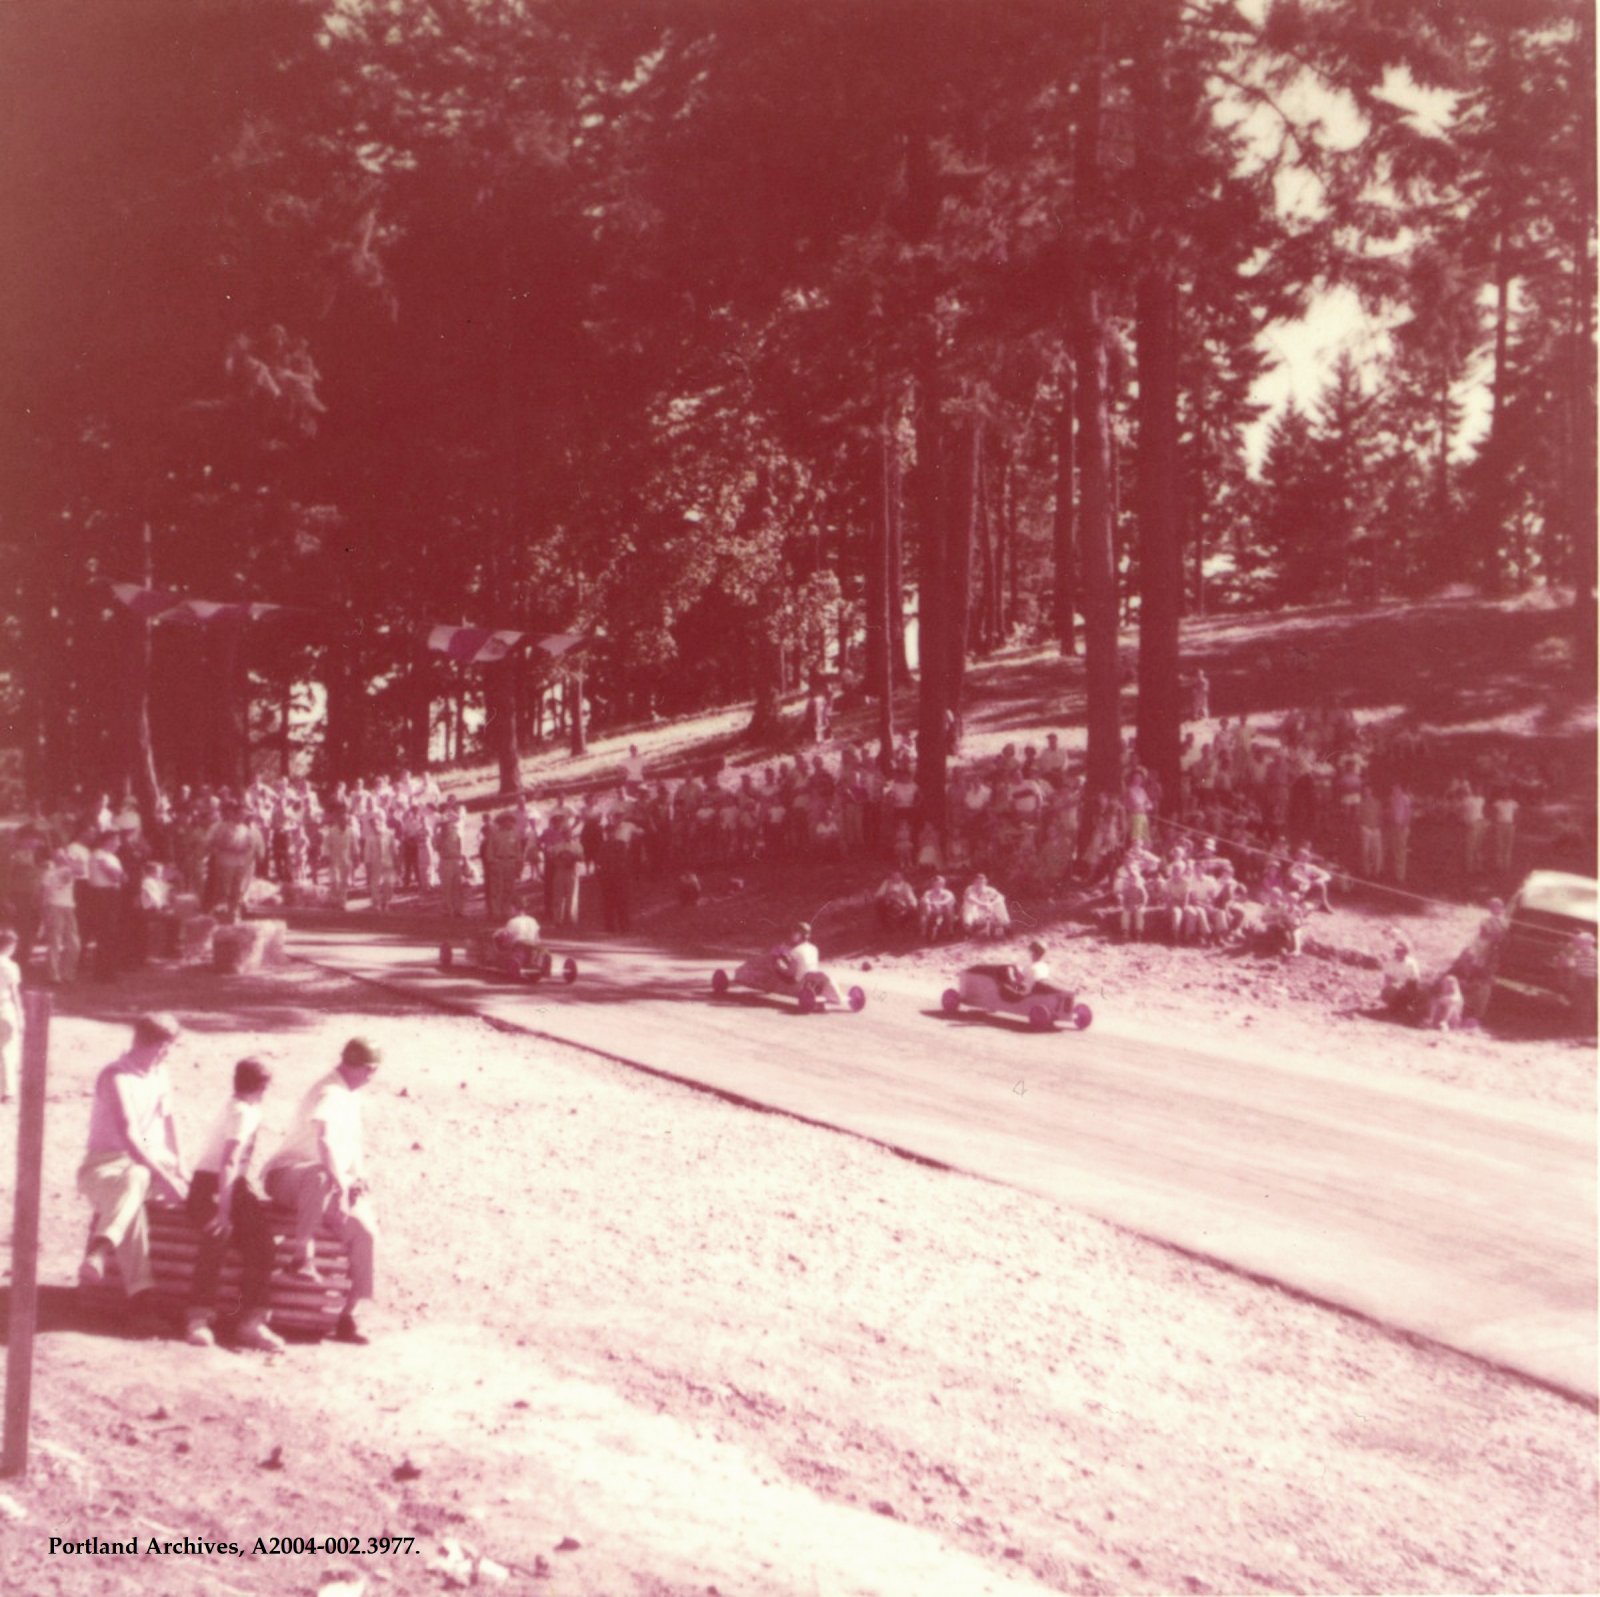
<point x="249" y="1232"/>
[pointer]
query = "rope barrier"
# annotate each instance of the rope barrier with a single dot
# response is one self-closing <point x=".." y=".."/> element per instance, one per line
<point x="1361" y="881"/>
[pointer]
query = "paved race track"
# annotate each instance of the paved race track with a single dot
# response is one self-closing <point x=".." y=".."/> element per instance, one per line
<point x="1463" y="1218"/>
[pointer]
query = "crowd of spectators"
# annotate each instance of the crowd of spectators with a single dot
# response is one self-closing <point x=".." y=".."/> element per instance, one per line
<point x="1263" y="825"/>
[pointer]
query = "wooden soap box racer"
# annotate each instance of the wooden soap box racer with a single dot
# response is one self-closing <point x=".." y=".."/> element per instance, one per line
<point x="772" y="973"/>
<point x="492" y="953"/>
<point x="997" y="990"/>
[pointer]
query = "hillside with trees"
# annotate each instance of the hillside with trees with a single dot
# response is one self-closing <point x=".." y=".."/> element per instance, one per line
<point x="735" y="341"/>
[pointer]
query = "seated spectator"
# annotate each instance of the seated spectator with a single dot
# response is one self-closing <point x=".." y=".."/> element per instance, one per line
<point x="1447" y="1010"/>
<point x="1310" y="881"/>
<point x="1283" y="919"/>
<point x="983" y="909"/>
<point x="1132" y="897"/>
<point x="897" y="902"/>
<point x="938" y="910"/>
<point x="133" y="1152"/>
<point x="319" y="1172"/>
<point x="1402" y="980"/>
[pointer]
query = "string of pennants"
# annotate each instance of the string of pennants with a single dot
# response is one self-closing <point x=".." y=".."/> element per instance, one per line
<point x="466" y="645"/>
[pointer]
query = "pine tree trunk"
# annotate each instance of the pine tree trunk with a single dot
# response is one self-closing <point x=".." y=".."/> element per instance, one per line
<point x="988" y="606"/>
<point x="1580" y="387"/>
<point x="140" y="769"/>
<point x="500" y="724"/>
<point x="1096" y="530"/>
<point x="883" y="600"/>
<point x="934" y="607"/>
<point x="1064" y="597"/>
<point x="899" y="660"/>
<point x="963" y="507"/>
<point x="875" y="574"/>
<point x="1160" y="476"/>
<point x="1009" y="550"/>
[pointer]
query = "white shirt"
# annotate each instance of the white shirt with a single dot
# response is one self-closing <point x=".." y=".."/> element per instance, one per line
<point x="58" y="882"/>
<point x="523" y="929"/>
<point x="330" y="1111"/>
<point x="806" y="958"/>
<point x="239" y="1122"/>
<point x="105" y="869"/>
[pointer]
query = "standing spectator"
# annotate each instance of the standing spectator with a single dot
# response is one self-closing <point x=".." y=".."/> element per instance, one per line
<point x="1370" y="817"/>
<point x="10" y="1016"/>
<point x="564" y="859"/>
<point x="615" y="869"/>
<point x="1503" y="829"/>
<point x="1469" y="813"/>
<point x="63" y="945"/>
<point x="340" y="839"/>
<point x="501" y="859"/>
<point x="25" y="892"/>
<point x="234" y="850"/>
<point x="1398" y="818"/>
<point x="1200" y="696"/>
<point x="1136" y="803"/>
<point x="452" y="862"/>
<point x="102" y="899"/>
<point x="380" y="860"/>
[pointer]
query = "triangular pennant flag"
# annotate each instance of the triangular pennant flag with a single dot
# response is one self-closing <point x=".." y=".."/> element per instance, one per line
<point x="558" y="643"/>
<point x="146" y="603"/>
<point x="473" y="645"/>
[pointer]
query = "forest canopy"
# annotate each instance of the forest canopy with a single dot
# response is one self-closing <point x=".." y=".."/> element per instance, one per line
<point x="735" y="337"/>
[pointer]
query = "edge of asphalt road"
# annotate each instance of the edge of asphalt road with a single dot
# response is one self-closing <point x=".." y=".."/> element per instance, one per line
<point x="399" y="982"/>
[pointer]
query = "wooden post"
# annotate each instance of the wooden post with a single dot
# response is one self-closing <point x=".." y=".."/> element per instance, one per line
<point x="24" y="1316"/>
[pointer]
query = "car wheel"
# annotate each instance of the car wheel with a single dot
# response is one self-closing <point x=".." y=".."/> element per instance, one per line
<point x="1082" y="1016"/>
<point x="569" y="971"/>
<point x="950" y="1000"/>
<point x="858" y="999"/>
<point x="1039" y="1018"/>
<point x="546" y="964"/>
<point x="719" y="983"/>
<point x="808" y="1001"/>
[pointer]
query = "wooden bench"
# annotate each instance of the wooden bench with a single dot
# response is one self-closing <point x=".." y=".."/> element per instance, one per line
<point x="305" y="1308"/>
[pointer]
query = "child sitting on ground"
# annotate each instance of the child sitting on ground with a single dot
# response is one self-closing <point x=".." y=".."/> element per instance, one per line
<point x="1447" y="1009"/>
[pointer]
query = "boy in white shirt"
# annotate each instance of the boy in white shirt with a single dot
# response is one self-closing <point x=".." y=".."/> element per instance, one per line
<point x="224" y="1204"/>
<point x="319" y="1173"/>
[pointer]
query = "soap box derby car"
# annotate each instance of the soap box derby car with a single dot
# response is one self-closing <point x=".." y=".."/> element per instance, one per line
<point x="997" y="990"/>
<point x="494" y="954"/>
<point x="774" y="973"/>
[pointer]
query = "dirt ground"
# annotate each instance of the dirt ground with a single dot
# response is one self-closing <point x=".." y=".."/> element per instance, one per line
<point x="708" y="1350"/>
<point x="634" y="1341"/>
